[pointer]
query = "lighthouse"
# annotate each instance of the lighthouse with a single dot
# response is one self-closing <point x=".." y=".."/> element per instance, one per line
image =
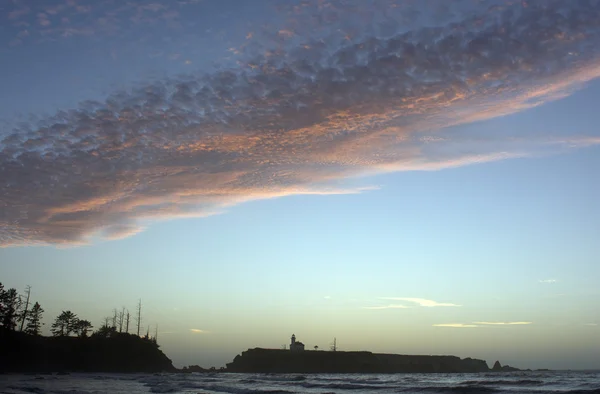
<point x="296" y="346"/>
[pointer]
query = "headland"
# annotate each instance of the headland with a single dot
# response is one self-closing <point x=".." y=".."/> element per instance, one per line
<point x="22" y="353"/>
<point x="285" y="361"/>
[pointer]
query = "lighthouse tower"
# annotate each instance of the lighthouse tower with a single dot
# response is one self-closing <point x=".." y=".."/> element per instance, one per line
<point x="296" y="346"/>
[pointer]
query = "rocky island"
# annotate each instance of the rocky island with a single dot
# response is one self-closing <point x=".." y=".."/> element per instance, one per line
<point x="284" y="361"/>
<point x="297" y="360"/>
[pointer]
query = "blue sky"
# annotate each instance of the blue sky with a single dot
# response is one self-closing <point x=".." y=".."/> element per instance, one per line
<point x="407" y="178"/>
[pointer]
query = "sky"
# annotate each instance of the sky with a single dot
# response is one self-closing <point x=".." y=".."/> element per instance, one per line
<point x="415" y="177"/>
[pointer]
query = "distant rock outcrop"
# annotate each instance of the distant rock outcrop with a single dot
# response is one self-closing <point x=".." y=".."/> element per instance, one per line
<point x="500" y="368"/>
<point x="284" y="361"/>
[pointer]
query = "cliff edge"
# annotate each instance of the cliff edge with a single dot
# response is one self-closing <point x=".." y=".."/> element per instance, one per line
<point x="118" y="353"/>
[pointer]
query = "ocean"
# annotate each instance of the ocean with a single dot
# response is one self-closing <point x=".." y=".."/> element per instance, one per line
<point x="579" y="382"/>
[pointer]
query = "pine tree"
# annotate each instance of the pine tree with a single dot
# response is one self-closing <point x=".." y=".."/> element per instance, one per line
<point x="105" y="331"/>
<point x="34" y="320"/>
<point x="72" y="322"/>
<point x="58" y="328"/>
<point x="82" y="328"/>
<point x="2" y="307"/>
<point x="65" y="324"/>
<point x="9" y="302"/>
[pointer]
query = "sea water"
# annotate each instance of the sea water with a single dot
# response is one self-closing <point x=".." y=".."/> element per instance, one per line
<point x="573" y="382"/>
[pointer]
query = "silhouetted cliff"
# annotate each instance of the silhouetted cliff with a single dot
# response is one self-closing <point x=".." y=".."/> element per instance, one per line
<point x="118" y="353"/>
<point x="503" y="368"/>
<point x="285" y="361"/>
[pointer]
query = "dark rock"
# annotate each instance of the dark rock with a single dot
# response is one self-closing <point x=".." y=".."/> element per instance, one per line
<point x="193" y="368"/>
<point x="283" y="361"/>
<point x="503" y="368"/>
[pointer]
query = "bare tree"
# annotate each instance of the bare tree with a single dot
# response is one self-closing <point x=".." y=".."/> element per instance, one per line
<point x="28" y="291"/>
<point x="114" y="319"/>
<point x="139" y="317"/>
<point x="127" y="322"/>
<point x="121" y="318"/>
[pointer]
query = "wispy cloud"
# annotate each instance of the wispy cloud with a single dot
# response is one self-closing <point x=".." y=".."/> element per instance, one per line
<point x="456" y="325"/>
<point x="548" y="281"/>
<point x="300" y="113"/>
<point x="510" y="323"/>
<point x="198" y="331"/>
<point x="420" y="301"/>
<point x="391" y="306"/>
<point x="591" y="324"/>
<point x="480" y="324"/>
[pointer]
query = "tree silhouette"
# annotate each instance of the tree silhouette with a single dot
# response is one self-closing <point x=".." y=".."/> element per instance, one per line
<point x="23" y="314"/>
<point x="316" y="347"/>
<point x="121" y="319"/>
<point x="1" y="302"/>
<point x="9" y="307"/>
<point x="114" y="318"/>
<point x="64" y="324"/>
<point x="105" y="331"/>
<point x="34" y="320"/>
<point x="139" y="316"/>
<point x="82" y="327"/>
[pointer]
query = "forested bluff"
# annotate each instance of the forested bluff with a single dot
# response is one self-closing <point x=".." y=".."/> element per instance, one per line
<point x="73" y="346"/>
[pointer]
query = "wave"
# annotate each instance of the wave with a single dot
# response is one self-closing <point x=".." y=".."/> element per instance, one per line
<point x="27" y="389"/>
<point x="282" y="378"/>
<point x="40" y="390"/>
<point x="238" y="390"/>
<point x="174" y="384"/>
<point x="522" y="382"/>
<point x="475" y="388"/>
<point x="170" y="384"/>
<point x="365" y="380"/>
<point x="345" y="386"/>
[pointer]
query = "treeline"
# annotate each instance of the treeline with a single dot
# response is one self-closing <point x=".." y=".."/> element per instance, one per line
<point x="17" y="314"/>
<point x="73" y="346"/>
<point x="14" y="312"/>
